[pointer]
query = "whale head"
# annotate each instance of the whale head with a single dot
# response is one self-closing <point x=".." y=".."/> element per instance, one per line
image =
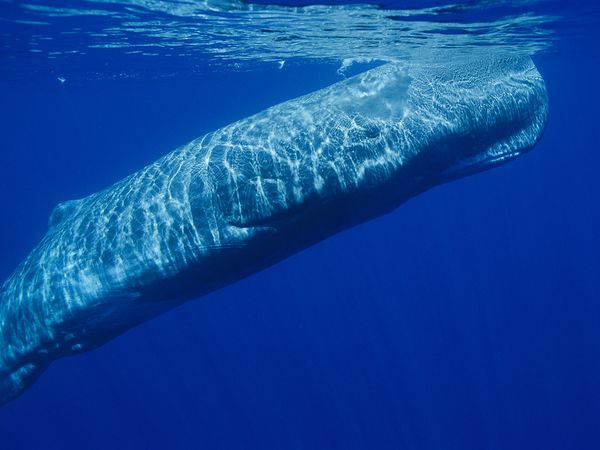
<point x="389" y="133"/>
<point x="468" y="118"/>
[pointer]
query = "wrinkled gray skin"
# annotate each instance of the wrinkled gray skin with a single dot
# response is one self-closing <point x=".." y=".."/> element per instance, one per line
<point x="252" y="193"/>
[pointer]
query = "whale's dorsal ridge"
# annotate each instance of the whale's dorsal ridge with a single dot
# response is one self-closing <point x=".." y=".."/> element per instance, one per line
<point x="61" y="212"/>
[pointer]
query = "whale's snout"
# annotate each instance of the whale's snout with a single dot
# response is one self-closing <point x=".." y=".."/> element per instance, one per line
<point x="487" y="121"/>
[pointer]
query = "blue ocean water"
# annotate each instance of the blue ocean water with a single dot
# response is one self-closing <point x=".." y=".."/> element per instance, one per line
<point x="469" y="318"/>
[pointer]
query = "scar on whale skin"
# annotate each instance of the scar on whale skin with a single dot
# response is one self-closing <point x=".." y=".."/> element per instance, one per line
<point x="239" y="199"/>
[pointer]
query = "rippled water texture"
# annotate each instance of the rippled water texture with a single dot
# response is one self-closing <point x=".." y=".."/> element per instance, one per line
<point x="116" y="39"/>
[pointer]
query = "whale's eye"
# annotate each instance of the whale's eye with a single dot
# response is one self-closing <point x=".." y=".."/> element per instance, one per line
<point x="372" y="132"/>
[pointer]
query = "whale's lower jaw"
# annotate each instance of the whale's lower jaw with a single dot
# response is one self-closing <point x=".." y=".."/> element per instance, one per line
<point x="472" y="167"/>
<point x="512" y="148"/>
<point x="253" y="193"/>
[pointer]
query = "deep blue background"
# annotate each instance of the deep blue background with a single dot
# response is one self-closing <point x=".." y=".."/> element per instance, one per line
<point x="467" y="319"/>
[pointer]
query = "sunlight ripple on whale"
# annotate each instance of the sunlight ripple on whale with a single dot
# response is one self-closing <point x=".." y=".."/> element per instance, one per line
<point x="252" y="193"/>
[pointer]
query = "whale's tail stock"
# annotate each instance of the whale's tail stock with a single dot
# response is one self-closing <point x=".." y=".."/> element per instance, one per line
<point x="26" y="353"/>
<point x="13" y="382"/>
<point x="16" y="374"/>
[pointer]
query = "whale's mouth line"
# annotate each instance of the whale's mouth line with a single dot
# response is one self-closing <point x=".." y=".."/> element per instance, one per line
<point x="473" y="165"/>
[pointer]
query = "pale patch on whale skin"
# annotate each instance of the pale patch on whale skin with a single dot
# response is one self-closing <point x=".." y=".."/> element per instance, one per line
<point x="252" y="193"/>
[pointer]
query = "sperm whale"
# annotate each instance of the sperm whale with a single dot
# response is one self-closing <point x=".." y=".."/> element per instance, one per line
<point x="248" y="195"/>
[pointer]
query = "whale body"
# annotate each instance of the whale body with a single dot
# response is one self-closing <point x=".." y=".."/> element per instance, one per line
<point x="254" y="192"/>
